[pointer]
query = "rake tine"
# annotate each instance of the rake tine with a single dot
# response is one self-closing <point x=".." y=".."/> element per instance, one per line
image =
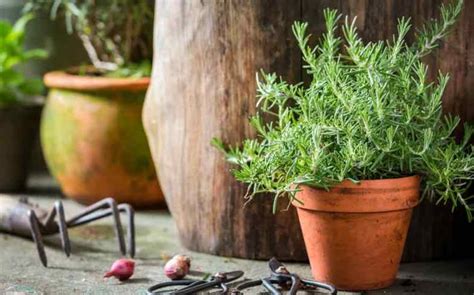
<point x="37" y="237"/>
<point x="63" y="228"/>
<point x="107" y="212"/>
<point x="131" y="228"/>
<point x="92" y="213"/>
<point x="118" y="227"/>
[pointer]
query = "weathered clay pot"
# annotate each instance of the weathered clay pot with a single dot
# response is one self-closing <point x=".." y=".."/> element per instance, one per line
<point x="18" y="130"/>
<point x="93" y="139"/>
<point x="355" y="233"/>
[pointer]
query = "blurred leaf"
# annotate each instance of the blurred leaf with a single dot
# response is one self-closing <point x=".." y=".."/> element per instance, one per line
<point x="35" y="53"/>
<point x="116" y="34"/>
<point x="14" y="86"/>
<point x="5" y="28"/>
<point x="19" y="26"/>
<point x="31" y="87"/>
<point x="132" y="70"/>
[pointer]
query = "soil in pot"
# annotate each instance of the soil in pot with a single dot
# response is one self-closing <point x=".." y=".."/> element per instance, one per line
<point x="355" y="233"/>
<point x="18" y="130"/>
<point x="94" y="142"/>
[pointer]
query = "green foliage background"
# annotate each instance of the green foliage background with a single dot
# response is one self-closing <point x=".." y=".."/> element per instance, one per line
<point x="117" y="34"/>
<point x="368" y="113"/>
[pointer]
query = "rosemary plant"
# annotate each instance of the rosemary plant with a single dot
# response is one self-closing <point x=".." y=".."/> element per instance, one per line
<point x="368" y="113"/>
<point x="116" y="34"/>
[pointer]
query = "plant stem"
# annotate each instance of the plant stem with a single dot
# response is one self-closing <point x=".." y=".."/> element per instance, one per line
<point x="100" y="65"/>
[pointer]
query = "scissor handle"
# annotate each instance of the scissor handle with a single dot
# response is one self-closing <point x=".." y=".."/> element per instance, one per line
<point x="268" y="283"/>
<point x="163" y="285"/>
<point x="282" y="279"/>
<point x="325" y="286"/>
<point x="199" y="287"/>
<point x="231" y="276"/>
<point x="217" y="281"/>
<point x="245" y="285"/>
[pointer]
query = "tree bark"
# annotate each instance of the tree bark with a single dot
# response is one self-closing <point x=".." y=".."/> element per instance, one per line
<point x="206" y="57"/>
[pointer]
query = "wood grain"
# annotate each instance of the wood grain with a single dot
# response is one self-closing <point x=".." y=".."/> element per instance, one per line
<point x="207" y="54"/>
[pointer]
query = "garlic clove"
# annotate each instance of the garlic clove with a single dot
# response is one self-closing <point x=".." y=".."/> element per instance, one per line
<point x="177" y="267"/>
<point x="121" y="269"/>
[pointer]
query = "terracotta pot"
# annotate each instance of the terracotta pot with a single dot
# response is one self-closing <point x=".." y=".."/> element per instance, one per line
<point x="94" y="142"/>
<point x="355" y="233"/>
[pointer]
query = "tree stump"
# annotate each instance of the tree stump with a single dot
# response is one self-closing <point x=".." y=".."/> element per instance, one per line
<point x="206" y="57"/>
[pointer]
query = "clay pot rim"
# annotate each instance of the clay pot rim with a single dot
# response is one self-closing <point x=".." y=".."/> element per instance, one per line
<point x="367" y="196"/>
<point x="64" y="80"/>
<point x="372" y="183"/>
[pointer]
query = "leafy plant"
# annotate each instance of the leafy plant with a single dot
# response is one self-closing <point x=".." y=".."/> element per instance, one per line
<point x="368" y="113"/>
<point x="14" y="86"/>
<point x="116" y="34"/>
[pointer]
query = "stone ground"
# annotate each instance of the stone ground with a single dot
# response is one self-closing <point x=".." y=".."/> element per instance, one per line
<point x="94" y="249"/>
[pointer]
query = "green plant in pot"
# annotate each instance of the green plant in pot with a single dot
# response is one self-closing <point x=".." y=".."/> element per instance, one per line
<point x="353" y="147"/>
<point x="91" y="129"/>
<point x="20" y="105"/>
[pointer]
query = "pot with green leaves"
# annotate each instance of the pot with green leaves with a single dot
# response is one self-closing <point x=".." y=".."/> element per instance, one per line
<point x="350" y="148"/>
<point x="20" y="107"/>
<point x="91" y="130"/>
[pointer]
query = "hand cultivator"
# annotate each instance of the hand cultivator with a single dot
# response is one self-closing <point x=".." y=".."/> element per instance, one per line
<point x="21" y="218"/>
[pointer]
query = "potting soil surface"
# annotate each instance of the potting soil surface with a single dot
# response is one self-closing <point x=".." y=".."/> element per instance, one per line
<point x="94" y="249"/>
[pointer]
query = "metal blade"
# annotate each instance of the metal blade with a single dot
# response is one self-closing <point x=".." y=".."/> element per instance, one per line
<point x="37" y="237"/>
<point x="63" y="228"/>
<point x="274" y="264"/>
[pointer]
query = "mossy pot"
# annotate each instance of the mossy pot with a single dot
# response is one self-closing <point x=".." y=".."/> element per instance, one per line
<point x="93" y="139"/>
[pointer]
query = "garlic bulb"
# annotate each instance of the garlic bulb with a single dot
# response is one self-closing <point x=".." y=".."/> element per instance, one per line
<point x="177" y="267"/>
<point x="122" y="269"/>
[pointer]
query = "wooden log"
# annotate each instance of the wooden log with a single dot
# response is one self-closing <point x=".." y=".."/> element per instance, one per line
<point x="206" y="57"/>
